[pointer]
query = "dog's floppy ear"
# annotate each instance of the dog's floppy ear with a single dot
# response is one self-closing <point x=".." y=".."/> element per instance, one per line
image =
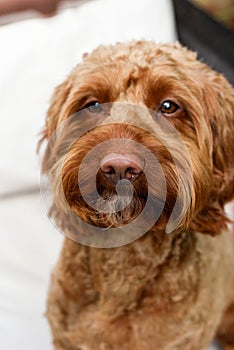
<point x="219" y="96"/>
<point x="219" y="104"/>
<point x="55" y="110"/>
<point x="59" y="97"/>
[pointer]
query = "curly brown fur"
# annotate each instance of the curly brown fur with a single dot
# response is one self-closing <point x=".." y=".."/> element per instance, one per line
<point x="162" y="291"/>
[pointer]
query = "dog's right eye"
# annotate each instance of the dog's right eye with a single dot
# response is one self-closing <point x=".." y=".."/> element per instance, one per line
<point x="93" y="107"/>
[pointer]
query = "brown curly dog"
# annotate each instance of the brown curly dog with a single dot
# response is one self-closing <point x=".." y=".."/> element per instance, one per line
<point x="167" y="121"/>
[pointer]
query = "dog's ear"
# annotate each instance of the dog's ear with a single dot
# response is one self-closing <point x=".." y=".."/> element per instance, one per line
<point x="219" y="97"/>
<point x="219" y="104"/>
<point x="54" y="113"/>
<point x="59" y="97"/>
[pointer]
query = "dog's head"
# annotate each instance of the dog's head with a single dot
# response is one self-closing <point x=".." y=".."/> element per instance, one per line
<point x="137" y="123"/>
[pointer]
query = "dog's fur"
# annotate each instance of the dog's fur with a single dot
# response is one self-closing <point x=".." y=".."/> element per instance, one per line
<point x="163" y="291"/>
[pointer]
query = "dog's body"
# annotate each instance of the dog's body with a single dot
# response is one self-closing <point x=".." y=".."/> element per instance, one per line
<point x="162" y="291"/>
<point x="140" y="297"/>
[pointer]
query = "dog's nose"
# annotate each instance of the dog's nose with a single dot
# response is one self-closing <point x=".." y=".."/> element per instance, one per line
<point x="121" y="166"/>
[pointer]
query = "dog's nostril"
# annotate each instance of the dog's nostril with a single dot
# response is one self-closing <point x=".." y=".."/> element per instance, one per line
<point x="117" y="166"/>
<point x="108" y="170"/>
<point x="132" y="173"/>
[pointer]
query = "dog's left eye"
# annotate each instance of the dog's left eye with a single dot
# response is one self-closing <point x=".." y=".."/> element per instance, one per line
<point x="168" y="107"/>
<point x="93" y="107"/>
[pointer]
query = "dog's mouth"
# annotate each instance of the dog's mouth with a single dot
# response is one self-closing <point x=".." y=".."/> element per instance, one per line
<point x="122" y="197"/>
<point x="119" y="203"/>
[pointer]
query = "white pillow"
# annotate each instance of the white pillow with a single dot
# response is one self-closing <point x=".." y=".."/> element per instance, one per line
<point x="36" y="55"/>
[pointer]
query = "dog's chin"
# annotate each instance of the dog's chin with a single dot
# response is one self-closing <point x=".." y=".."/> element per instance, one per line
<point x="117" y="211"/>
<point x="114" y="210"/>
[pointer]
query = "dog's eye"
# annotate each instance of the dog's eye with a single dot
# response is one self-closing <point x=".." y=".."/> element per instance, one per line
<point x="93" y="107"/>
<point x="168" y="107"/>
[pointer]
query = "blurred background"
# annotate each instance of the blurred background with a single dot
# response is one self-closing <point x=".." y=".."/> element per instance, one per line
<point x="222" y="11"/>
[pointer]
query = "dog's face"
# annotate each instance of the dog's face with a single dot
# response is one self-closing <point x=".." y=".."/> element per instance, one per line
<point x="141" y="123"/>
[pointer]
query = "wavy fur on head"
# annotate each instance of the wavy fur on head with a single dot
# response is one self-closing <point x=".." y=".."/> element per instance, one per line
<point x="175" y="271"/>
